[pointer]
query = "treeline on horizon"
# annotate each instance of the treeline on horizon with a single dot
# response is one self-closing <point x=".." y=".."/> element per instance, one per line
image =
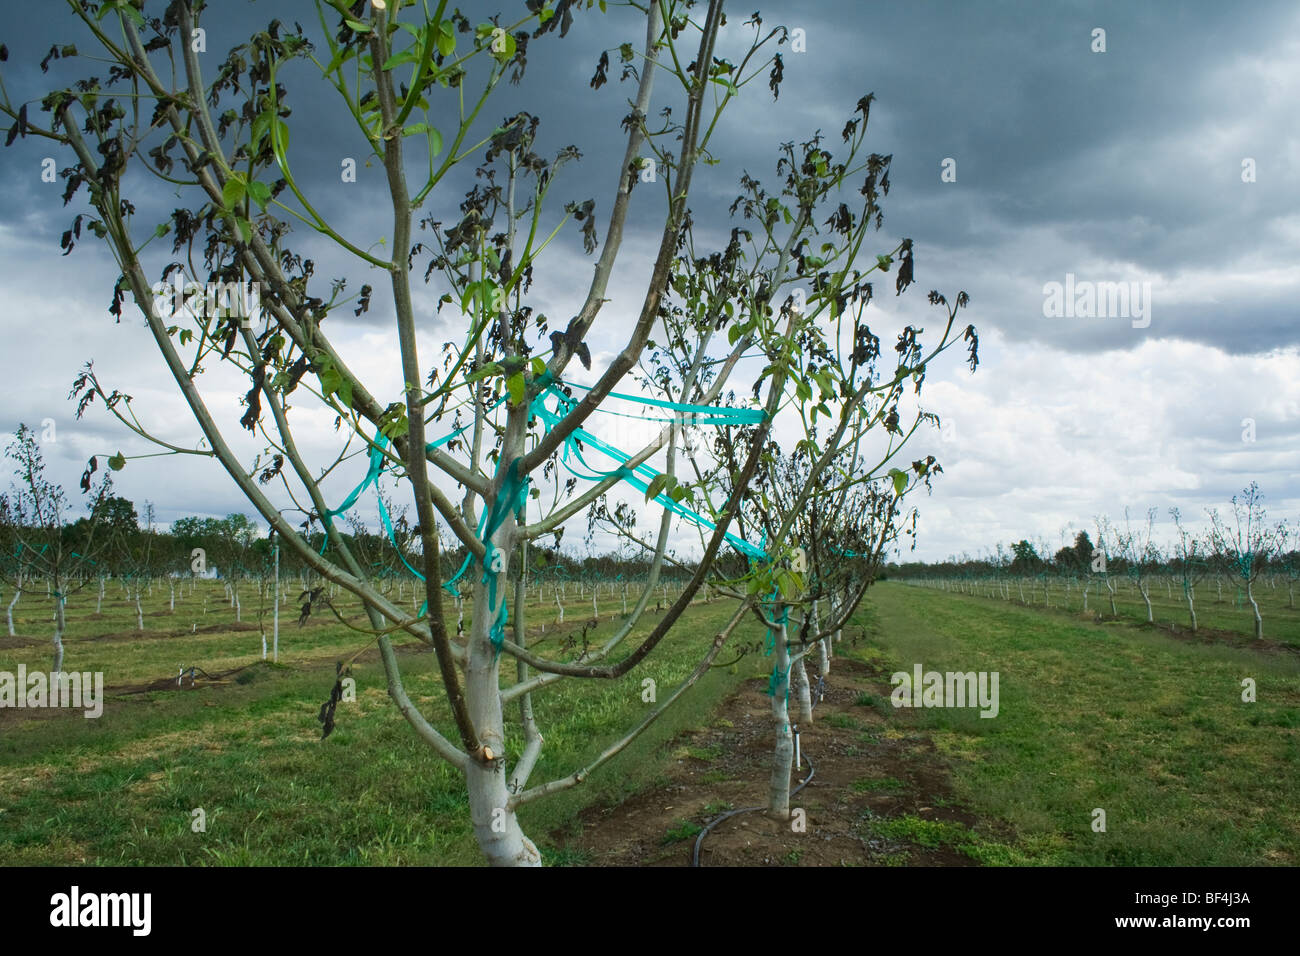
<point x="115" y="543"/>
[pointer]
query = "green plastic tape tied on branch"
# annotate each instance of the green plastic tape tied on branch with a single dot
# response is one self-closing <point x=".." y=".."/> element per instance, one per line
<point x="512" y="495"/>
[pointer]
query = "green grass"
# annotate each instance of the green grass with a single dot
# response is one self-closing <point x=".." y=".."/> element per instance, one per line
<point x="1130" y="719"/>
<point x="121" y="789"/>
<point x="684" y="830"/>
<point x="1150" y="728"/>
<point x="1231" y="612"/>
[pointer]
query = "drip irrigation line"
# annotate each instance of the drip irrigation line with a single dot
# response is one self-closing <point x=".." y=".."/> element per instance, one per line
<point x="812" y="772"/>
<point x="699" y="840"/>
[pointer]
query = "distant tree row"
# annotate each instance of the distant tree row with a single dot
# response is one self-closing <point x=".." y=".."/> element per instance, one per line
<point x="1238" y="547"/>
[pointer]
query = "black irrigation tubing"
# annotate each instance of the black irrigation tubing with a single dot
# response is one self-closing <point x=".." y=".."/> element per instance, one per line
<point x="695" y="855"/>
<point x="812" y="772"/>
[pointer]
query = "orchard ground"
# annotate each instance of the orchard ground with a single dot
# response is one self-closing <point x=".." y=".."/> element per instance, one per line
<point x="1136" y="720"/>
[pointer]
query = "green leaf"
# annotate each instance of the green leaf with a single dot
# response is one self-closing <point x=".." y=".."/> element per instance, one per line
<point x="785" y="580"/>
<point x="357" y="26"/>
<point x="398" y="427"/>
<point x="539" y="367"/>
<point x="232" y="193"/>
<point x="508" y="46"/>
<point x="447" y="38"/>
<point x="467" y="297"/>
<point x="330" y="380"/>
<point x="397" y="59"/>
<point x="162" y="229"/>
<point x="260" y="193"/>
<point x="515" y="383"/>
<point x="245" y="229"/>
<point x="900" y="480"/>
<point x="656" y="485"/>
<point x="491" y="368"/>
<point x="435" y="138"/>
<point x="186" y="336"/>
<point x="117" y="462"/>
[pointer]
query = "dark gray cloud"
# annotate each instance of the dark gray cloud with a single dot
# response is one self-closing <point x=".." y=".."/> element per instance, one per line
<point x="1116" y="166"/>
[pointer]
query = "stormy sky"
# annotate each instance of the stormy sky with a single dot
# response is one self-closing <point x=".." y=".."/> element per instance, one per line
<point x="1169" y="162"/>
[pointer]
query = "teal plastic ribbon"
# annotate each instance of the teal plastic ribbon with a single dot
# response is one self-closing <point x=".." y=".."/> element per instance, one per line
<point x="513" y="493"/>
<point x="641" y="475"/>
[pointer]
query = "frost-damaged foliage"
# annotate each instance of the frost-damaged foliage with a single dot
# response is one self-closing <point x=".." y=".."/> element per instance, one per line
<point x="494" y="413"/>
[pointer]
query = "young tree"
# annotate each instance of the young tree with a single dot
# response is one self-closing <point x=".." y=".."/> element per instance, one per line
<point x="1140" y="554"/>
<point x="1246" y="543"/>
<point x="136" y="555"/>
<point x="1189" y="553"/>
<point x="36" y="546"/>
<point x="502" y="417"/>
<point x="1100" y="561"/>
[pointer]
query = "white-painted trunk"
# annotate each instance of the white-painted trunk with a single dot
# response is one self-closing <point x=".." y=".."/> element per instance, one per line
<point x="778" y="793"/>
<point x="496" y="826"/>
<point x="59" y="624"/>
<point x="275" y="616"/>
<point x="804" y="692"/>
<point x="1259" y="621"/>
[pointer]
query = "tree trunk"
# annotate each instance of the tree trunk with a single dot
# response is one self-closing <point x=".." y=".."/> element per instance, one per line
<point x="1147" y="597"/>
<point x="139" y="611"/>
<point x="805" y="692"/>
<point x="1259" y="621"/>
<point x="496" y="825"/>
<point x="275" y="614"/>
<point x="17" y="594"/>
<point x="59" y="624"/>
<point x="778" y="794"/>
<point x="1191" y="609"/>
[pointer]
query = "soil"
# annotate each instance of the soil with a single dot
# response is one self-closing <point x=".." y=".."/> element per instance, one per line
<point x="863" y="771"/>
